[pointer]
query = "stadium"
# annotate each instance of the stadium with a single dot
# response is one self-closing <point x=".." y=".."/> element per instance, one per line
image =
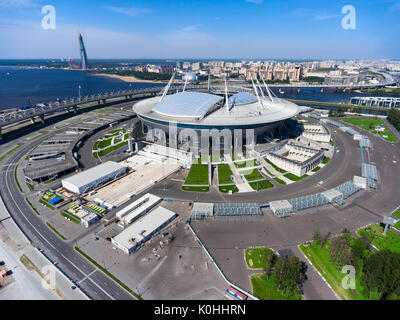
<point x="233" y="108"/>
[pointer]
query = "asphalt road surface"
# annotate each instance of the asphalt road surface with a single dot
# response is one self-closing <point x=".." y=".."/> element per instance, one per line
<point x="95" y="283"/>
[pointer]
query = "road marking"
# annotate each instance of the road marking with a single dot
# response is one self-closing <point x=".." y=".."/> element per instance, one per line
<point x="17" y="206"/>
<point x="87" y="276"/>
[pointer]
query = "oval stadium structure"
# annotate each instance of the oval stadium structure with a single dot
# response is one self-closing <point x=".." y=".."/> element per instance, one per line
<point x="208" y="111"/>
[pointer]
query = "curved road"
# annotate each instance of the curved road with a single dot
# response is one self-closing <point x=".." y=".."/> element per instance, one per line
<point x="93" y="281"/>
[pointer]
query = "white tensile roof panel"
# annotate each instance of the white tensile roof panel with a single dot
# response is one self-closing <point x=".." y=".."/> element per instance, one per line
<point x="242" y="98"/>
<point x="187" y="104"/>
<point x="83" y="178"/>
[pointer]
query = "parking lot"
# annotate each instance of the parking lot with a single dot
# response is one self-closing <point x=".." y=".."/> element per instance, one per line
<point x="177" y="270"/>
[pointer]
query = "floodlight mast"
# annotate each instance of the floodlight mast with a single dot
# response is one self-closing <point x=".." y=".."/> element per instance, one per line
<point x="259" y="86"/>
<point x="268" y="90"/>
<point x="167" y="87"/>
<point x="226" y="96"/>
<point x="184" y="87"/>
<point x="256" y="91"/>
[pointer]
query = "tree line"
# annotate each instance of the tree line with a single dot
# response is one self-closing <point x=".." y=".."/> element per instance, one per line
<point x="380" y="270"/>
<point x="288" y="272"/>
<point x="394" y="118"/>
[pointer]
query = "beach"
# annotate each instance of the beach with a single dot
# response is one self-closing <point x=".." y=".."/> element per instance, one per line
<point x="126" y="78"/>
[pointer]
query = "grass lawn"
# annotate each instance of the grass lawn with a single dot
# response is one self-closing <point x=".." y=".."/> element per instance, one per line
<point x="48" y="205"/>
<point x="30" y="186"/>
<point x="216" y="158"/>
<point x="226" y="189"/>
<point x="9" y="152"/>
<point x="391" y="241"/>
<point x="293" y="177"/>
<point x="236" y="157"/>
<point x="280" y="181"/>
<point x="267" y="171"/>
<point x="197" y="189"/>
<point x="320" y="258"/>
<point x="370" y="124"/>
<point x="110" y="149"/>
<point x="316" y="169"/>
<point x="16" y="179"/>
<point x="32" y="207"/>
<point x="70" y="217"/>
<point x="275" y="167"/>
<point x="255" y="257"/>
<point x="252" y="175"/>
<point x="365" y="123"/>
<point x="246" y="164"/>
<point x="198" y="174"/>
<point x="326" y="160"/>
<point x="390" y="137"/>
<point x="397" y="214"/>
<point x="260" y="185"/>
<point x="224" y="174"/>
<point x="104" y="143"/>
<point x="264" y="288"/>
<point x="55" y="231"/>
<point x="108" y="273"/>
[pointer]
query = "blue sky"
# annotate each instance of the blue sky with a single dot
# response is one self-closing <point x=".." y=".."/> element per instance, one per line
<point x="263" y="29"/>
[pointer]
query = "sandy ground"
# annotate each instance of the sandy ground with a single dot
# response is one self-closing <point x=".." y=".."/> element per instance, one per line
<point x="126" y="78"/>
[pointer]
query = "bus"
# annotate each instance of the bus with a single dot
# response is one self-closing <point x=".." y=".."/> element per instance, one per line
<point x="236" y="293"/>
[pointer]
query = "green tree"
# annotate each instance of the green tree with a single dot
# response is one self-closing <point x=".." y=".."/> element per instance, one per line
<point x="340" y="250"/>
<point x="358" y="248"/>
<point x="270" y="259"/>
<point x="381" y="272"/>
<point x="317" y="237"/>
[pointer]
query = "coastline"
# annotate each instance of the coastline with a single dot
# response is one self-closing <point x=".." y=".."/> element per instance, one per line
<point x="125" y="78"/>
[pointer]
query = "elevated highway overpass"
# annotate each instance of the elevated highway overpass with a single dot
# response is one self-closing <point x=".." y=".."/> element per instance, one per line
<point x="12" y="116"/>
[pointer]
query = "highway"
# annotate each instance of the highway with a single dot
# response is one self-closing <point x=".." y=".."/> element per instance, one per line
<point x="94" y="282"/>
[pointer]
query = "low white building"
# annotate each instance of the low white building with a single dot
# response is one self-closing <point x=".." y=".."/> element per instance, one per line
<point x="89" y="219"/>
<point x="316" y="132"/>
<point x="133" y="237"/>
<point x="296" y="159"/>
<point x="138" y="208"/>
<point x="91" y="178"/>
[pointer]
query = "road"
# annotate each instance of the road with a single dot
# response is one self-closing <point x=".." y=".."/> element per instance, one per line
<point x="95" y="283"/>
<point x="346" y="162"/>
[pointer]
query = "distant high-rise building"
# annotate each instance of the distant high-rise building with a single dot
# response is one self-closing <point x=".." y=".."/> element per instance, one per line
<point x="84" y="59"/>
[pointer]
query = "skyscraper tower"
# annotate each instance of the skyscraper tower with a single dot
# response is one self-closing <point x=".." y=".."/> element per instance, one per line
<point x="84" y="59"/>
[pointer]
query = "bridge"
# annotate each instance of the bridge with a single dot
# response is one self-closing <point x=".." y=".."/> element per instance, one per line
<point x="11" y="116"/>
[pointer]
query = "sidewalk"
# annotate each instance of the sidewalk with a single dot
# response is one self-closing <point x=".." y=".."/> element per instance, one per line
<point x="28" y="283"/>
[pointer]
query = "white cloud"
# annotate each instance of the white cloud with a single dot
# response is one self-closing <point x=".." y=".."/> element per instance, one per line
<point x="190" y="28"/>
<point x="128" y="11"/>
<point x="19" y="3"/>
<point x="321" y="17"/>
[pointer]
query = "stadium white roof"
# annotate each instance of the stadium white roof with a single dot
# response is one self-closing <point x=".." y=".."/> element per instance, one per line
<point x="83" y="178"/>
<point x="187" y="104"/>
<point x="242" y="98"/>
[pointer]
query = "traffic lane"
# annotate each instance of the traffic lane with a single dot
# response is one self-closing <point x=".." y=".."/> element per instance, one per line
<point x="341" y="168"/>
<point x="40" y="236"/>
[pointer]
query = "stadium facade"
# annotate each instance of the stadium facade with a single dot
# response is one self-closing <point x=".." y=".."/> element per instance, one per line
<point x="190" y="115"/>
